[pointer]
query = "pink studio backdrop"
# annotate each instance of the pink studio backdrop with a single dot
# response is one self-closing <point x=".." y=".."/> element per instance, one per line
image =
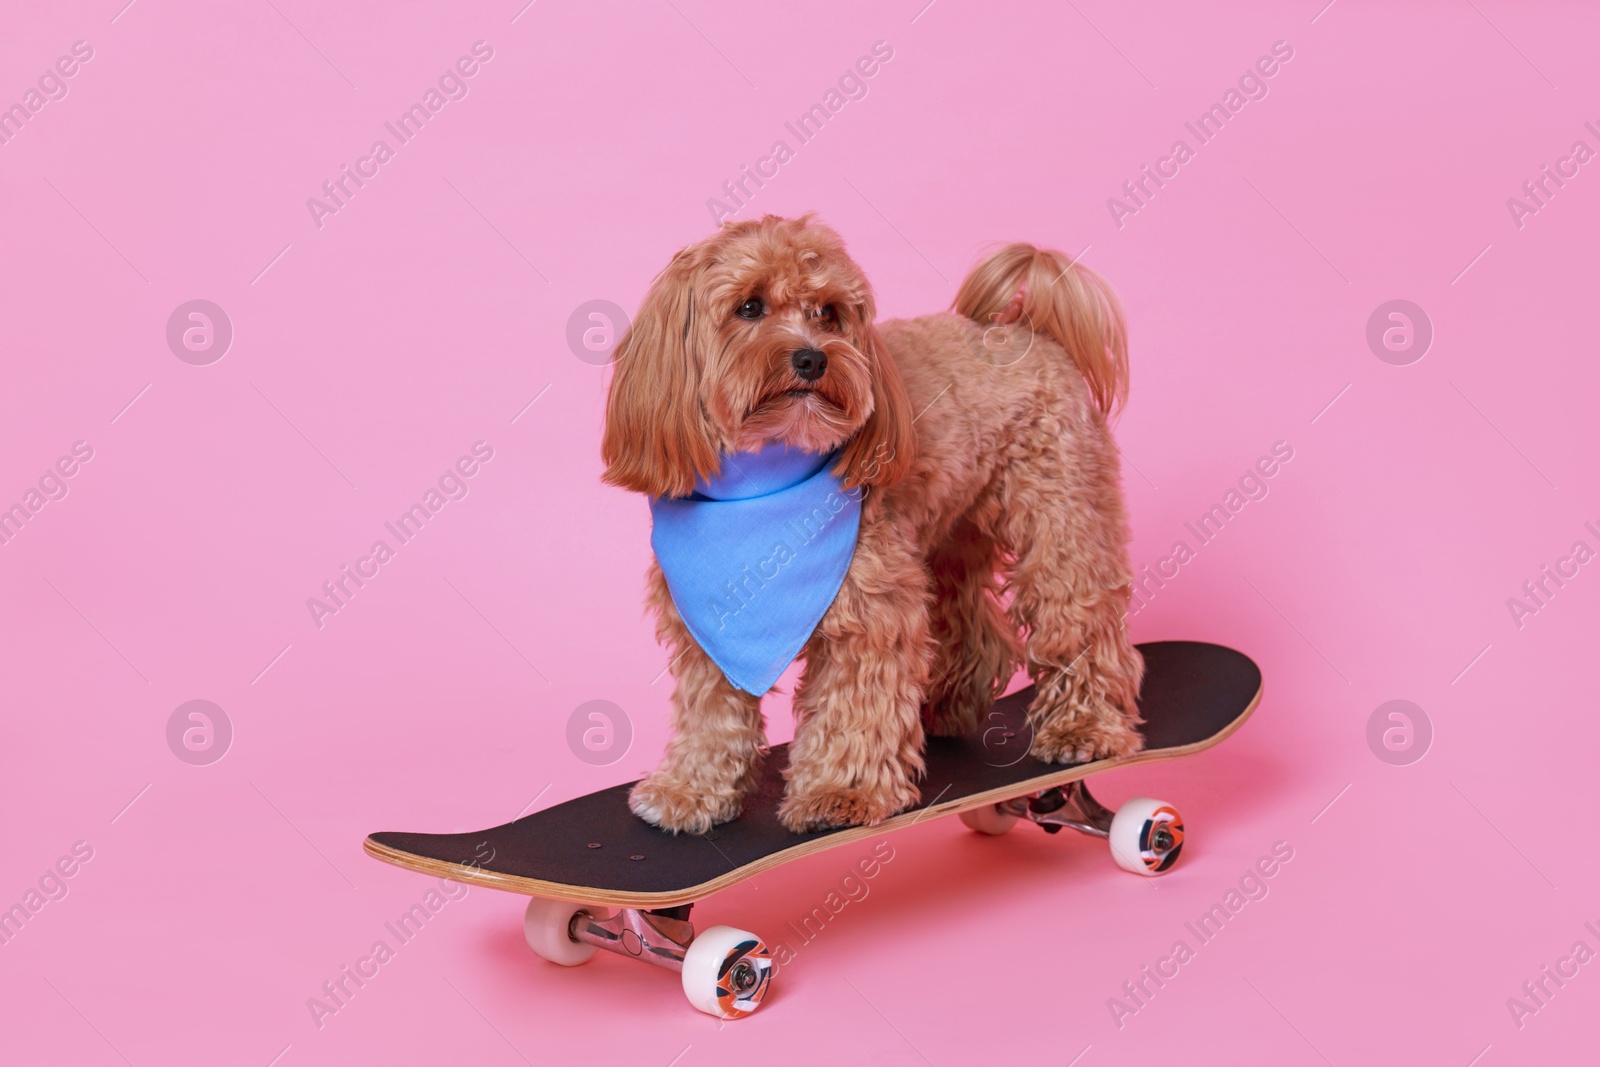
<point x="375" y="345"/>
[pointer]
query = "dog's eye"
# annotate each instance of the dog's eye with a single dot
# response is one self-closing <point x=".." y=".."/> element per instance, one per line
<point x="750" y="309"/>
<point x="825" y="317"/>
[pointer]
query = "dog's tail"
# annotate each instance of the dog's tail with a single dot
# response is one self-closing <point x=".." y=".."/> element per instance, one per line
<point x="1067" y="301"/>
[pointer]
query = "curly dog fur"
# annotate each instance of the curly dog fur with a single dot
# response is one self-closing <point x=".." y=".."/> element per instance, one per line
<point x="992" y="526"/>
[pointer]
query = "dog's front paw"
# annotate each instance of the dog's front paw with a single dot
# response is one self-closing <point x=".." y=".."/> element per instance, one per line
<point x="1086" y="739"/>
<point x="664" y="801"/>
<point x="824" y="809"/>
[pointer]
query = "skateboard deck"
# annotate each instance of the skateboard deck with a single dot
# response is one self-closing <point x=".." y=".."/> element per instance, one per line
<point x="593" y="850"/>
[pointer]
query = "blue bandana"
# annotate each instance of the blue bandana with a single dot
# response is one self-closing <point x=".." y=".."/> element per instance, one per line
<point x="755" y="556"/>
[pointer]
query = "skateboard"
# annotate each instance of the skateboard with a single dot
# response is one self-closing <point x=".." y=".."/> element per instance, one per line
<point x="602" y="878"/>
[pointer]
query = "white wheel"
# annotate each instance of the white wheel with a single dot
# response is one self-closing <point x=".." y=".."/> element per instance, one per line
<point x="1146" y="836"/>
<point x="988" y="820"/>
<point x="727" y="972"/>
<point x="547" y="926"/>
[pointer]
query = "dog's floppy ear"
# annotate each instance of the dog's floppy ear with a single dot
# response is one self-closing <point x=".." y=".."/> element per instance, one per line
<point x="657" y="440"/>
<point x="881" y="451"/>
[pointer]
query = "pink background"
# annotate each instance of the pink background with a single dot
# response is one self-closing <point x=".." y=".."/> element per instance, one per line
<point x="370" y="353"/>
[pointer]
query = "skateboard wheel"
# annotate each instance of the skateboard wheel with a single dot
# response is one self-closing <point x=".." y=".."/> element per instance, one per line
<point x="727" y="972"/>
<point x="547" y="925"/>
<point x="988" y="819"/>
<point x="1146" y="836"/>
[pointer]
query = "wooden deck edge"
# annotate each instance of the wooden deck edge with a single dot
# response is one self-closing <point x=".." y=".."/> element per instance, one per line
<point x="613" y="898"/>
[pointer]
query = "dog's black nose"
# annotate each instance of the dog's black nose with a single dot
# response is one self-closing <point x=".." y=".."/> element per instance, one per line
<point x="809" y="363"/>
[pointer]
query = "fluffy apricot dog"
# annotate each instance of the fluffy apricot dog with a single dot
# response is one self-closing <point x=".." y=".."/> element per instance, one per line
<point x="991" y="527"/>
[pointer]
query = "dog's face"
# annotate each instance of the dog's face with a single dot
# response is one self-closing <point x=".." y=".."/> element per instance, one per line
<point x="762" y="333"/>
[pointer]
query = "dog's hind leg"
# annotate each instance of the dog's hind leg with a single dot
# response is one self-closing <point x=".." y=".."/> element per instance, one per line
<point x="1063" y="523"/>
<point x="976" y="648"/>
